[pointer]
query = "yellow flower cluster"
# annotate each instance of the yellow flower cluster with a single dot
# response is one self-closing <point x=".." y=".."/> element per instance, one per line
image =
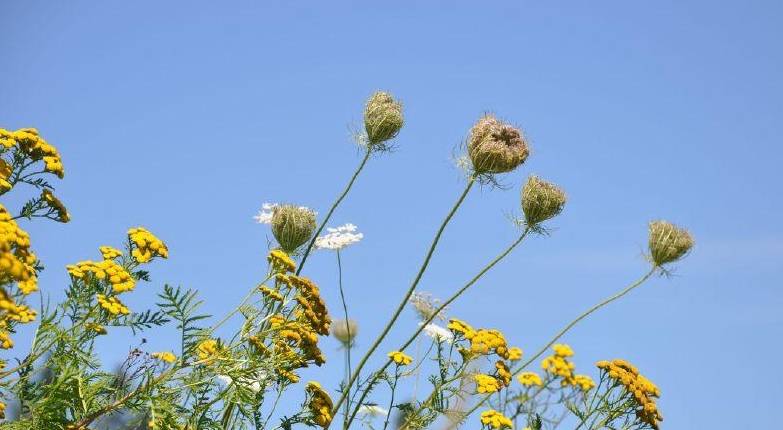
<point x="515" y="353"/>
<point x="494" y="419"/>
<point x="34" y="146"/>
<point x="529" y="378"/>
<point x="16" y="260"/>
<point x="312" y="306"/>
<point x="112" y="305"/>
<point x="400" y="358"/>
<point x="280" y="261"/>
<point x="487" y="383"/>
<point x="5" y="174"/>
<point x="482" y="341"/>
<point x="207" y="349"/>
<point x="584" y="382"/>
<point x="119" y="278"/>
<point x="559" y="365"/>
<point x="95" y="327"/>
<point x="271" y="294"/>
<point x="11" y="311"/>
<point x="320" y="404"/>
<point x="642" y="389"/>
<point x="164" y="356"/>
<point x="146" y="246"/>
<point x="109" y="252"/>
<point x="55" y="204"/>
<point x="503" y="373"/>
<point x="2" y="410"/>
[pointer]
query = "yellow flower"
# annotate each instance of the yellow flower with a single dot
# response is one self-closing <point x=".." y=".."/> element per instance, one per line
<point x="280" y="261"/>
<point x="109" y="252"/>
<point x="146" y="245"/>
<point x="320" y="404"/>
<point x="112" y="304"/>
<point x="207" y="349"/>
<point x="271" y="294"/>
<point x="515" y="353"/>
<point x="529" y="378"/>
<point x="562" y="350"/>
<point x="166" y="356"/>
<point x="56" y="205"/>
<point x="459" y="327"/>
<point x="495" y="420"/>
<point x="487" y="383"/>
<point x="584" y="382"/>
<point x="640" y="388"/>
<point x="95" y="327"/>
<point x="110" y="270"/>
<point x="400" y="358"/>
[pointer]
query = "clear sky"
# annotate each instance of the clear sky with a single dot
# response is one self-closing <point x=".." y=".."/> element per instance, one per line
<point x="185" y="116"/>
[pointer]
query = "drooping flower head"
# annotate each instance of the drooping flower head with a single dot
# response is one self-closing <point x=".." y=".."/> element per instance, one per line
<point x="541" y="200"/>
<point x="292" y="226"/>
<point x="382" y="118"/>
<point x="668" y="243"/>
<point x="495" y="146"/>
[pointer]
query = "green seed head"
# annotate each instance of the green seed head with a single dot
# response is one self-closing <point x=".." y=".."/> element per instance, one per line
<point x="292" y="226"/>
<point x="541" y="200"/>
<point x="668" y="243"/>
<point x="382" y="118"/>
<point x="496" y="147"/>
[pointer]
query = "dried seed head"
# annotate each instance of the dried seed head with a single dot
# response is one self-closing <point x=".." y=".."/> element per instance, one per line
<point x="541" y="200"/>
<point x="496" y="147"/>
<point x="292" y="226"/>
<point x="382" y="118"/>
<point x="345" y="331"/>
<point x="668" y="243"/>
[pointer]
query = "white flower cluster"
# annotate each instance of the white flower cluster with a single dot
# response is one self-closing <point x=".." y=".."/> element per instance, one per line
<point x="339" y="238"/>
<point x="437" y="332"/>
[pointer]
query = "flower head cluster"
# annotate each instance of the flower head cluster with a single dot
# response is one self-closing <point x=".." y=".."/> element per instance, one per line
<point x="382" y="118"/>
<point x="668" y="243"/>
<point x="35" y="147"/>
<point x="529" y="378"/>
<point x="292" y="226"/>
<point x="17" y="262"/>
<point x="112" y="305"/>
<point x="165" y="356"/>
<point x="145" y="246"/>
<point x="482" y="341"/>
<point x="55" y="205"/>
<point x="559" y="366"/>
<point x="320" y="404"/>
<point x="207" y="349"/>
<point x="495" y="420"/>
<point x="541" y="200"/>
<point x="642" y="389"/>
<point x="339" y="237"/>
<point x="487" y="383"/>
<point x="400" y="358"/>
<point x="496" y="147"/>
<point x="280" y="261"/>
<point x="119" y="278"/>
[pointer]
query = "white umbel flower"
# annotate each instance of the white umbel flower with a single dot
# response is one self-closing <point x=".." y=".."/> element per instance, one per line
<point x="373" y="411"/>
<point x="265" y="214"/>
<point x="339" y="237"/>
<point x="437" y="332"/>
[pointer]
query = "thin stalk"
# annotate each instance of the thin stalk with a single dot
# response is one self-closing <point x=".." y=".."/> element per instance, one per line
<point x="443" y="306"/>
<point x="347" y="345"/>
<point x="407" y="296"/>
<point x="331" y="210"/>
<point x="570" y="325"/>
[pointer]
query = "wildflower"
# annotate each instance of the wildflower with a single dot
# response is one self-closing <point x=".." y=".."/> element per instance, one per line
<point x="487" y="383"/>
<point x="16" y="260"/>
<point x="109" y="252"/>
<point x="382" y="118"/>
<point x="485" y="341"/>
<point x="438" y="333"/>
<point x="146" y="245"/>
<point x="515" y="353"/>
<point x="96" y="328"/>
<point x="2" y="410"/>
<point x="668" y="243"/>
<point x="541" y="200"/>
<point x="287" y="375"/>
<point x="112" y="305"/>
<point x="32" y="144"/>
<point x="460" y="328"/>
<point x="400" y="358"/>
<point x="345" y="331"/>
<point x="265" y="214"/>
<point x="207" y="349"/>
<point x="320" y="404"/>
<point x="639" y="387"/>
<point x="503" y="372"/>
<point x="5" y="174"/>
<point x="292" y="226"/>
<point x="164" y="356"/>
<point x="56" y="205"/>
<point x="280" y="261"/>
<point x="495" y="420"/>
<point x="339" y="237"/>
<point x="496" y="147"/>
<point x="426" y="306"/>
<point x="562" y="350"/>
<point x="119" y="278"/>
<point x="529" y="378"/>
<point x="584" y="382"/>
<point x="5" y="339"/>
<point x="372" y="411"/>
<point x="312" y="306"/>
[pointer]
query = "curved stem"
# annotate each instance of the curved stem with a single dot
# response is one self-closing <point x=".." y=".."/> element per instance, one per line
<point x="407" y="296"/>
<point x="570" y="325"/>
<point x="331" y="210"/>
<point x="350" y="338"/>
<point x="443" y="306"/>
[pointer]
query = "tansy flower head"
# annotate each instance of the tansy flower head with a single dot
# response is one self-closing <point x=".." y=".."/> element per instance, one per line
<point x="503" y="372"/>
<point x="487" y="383"/>
<point x="382" y="118"/>
<point x="280" y="261"/>
<point x="562" y="350"/>
<point x="515" y="353"/>
<point x="460" y="328"/>
<point x="292" y="226"/>
<point x="109" y="252"/>
<point x="400" y="358"/>
<point x="529" y="378"/>
<point x="640" y="388"/>
<point x="165" y="356"/>
<point x="146" y="246"/>
<point x="668" y="243"/>
<point x="55" y="205"/>
<point x="207" y="349"/>
<point x="495" y="420"/>
<point x="496" y="147"/>
<point x="112" y="305"/>
<point x="584" y="382"/>
<point x="541" y="200"/>
<point x="320" y="404"/>
<point x="96" y="328"/>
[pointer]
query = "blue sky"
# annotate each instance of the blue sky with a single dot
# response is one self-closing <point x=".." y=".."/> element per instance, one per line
<point x="185" y="116"/>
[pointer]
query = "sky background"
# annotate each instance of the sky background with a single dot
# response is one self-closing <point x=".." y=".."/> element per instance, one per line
<point x="185" y="117"/>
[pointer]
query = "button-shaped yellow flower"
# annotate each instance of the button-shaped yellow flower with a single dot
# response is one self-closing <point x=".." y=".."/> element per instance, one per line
<point x="400" y="358"/>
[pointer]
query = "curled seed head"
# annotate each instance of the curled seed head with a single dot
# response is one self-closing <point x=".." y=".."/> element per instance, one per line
<point x="345" y="330"/>
<point x="382" y="117"/>
<point x="495" y="146"/>
<point x="541" y="200"/>
<point x="292" y="226"/>
<point x="668" y="243"/>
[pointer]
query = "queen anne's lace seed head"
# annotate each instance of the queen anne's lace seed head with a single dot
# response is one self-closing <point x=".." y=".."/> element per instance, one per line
<point x="292" y="226"/>
<point x="339" y="237"/>
<point x="541" y="200"/>
<point x="382" y="118"/>
<point x="495" y="146"/>
<point x="668" y="243"/>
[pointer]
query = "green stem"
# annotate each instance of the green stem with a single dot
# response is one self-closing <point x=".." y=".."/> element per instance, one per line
<point x="350" y="338"/>
<point x="331" y="210"/>
<point x="407" y="296"/>
<point x="443" y="306"/>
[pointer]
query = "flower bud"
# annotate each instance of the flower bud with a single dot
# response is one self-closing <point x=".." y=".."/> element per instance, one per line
<point x="541" y="200"/>
<point x="668" y="243"/>
<point x="345" y="331"/>
<point x="496" y="147"/>
<point x="382" y="117"/>
<point x="292" y="226"/>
